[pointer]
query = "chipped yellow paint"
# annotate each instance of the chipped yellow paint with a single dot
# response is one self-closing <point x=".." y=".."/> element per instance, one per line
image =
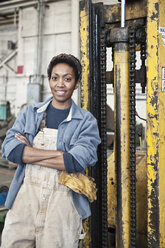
<point x="84" y="49"/>
<point x="87" y="239"/>
<point x="152" y="111"/>
<point x="161" y="129"/>
<point x="84" y="46"/>
<point x="155" y="124"/>
<point x="141" y="196"/>
<point x="121" y="66"/>
<point x="134" y="11"/>
<point x="111" y="192"/>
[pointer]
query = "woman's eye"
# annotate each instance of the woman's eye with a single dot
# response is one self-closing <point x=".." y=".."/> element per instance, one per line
<point x="54" y="78"/>
<point x="67" y="79"/>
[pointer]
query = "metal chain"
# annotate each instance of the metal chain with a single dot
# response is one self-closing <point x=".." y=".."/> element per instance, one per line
<point x="132" y="62"/>
<point x="143" y="58"/>
<point x="143" y="53"/>
<point x="103" y="100"/>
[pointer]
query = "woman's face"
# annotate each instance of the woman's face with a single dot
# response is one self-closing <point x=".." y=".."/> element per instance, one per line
<point x="62" y="84"/>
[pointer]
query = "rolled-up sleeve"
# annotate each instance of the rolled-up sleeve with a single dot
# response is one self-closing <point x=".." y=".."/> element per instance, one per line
<point x="16" y="154"/>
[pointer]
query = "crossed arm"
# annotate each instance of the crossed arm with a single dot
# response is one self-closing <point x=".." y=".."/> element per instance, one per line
<point x="47" y="158"/>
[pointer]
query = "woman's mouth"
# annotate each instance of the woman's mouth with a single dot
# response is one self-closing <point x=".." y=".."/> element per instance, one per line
<point x="60" y="92"/>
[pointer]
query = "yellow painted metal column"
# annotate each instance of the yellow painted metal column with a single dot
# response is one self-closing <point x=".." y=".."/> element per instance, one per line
<point x="84" y="51"/>
<point x="85" y="101"/>
<point x="121" y="95"/>
<point x="155" y="123"/>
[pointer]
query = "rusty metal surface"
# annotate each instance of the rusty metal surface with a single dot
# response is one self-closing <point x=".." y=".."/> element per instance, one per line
<point x="85" y="102"/>
<point x="93" y="96"/>
<point x="134" y="11"/>
<point x="155" y="124"/>
<point x="84" y="49"/>
<point x="122" y="143"/>
<point x="141" y="197"/>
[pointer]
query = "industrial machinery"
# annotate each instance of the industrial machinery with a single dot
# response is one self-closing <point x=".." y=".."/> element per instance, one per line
<point x="129" y="211"/>
<point x="3" y="194"/>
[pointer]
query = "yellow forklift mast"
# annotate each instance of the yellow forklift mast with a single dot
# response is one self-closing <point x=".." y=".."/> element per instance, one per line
<point x="129" y="211"/>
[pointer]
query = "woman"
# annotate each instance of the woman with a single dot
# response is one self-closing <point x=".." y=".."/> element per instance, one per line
<point x="48" y="138"/>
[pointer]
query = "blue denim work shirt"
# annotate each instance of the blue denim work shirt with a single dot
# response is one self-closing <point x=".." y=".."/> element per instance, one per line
<point x="78" y="134"/>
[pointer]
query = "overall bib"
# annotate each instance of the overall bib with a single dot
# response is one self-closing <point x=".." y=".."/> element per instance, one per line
<point x="43" y="214"/>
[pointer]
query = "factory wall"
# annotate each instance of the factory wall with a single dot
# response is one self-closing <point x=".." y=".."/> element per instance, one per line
<point x="56" y="38"/>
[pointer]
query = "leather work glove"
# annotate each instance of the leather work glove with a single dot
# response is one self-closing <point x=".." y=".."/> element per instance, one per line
<point x="80" y="184"/>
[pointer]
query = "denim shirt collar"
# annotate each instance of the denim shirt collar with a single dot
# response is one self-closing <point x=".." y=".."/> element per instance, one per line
<point x="75" y="111"/>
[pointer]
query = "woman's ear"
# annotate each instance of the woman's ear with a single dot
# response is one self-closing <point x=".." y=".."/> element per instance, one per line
<point x="77" y="84"/>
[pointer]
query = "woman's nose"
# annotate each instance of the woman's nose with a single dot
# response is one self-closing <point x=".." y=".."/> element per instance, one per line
<point x="60" y="82"/>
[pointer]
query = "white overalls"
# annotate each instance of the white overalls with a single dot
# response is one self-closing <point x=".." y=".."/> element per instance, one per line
<point x="43" y="214"/>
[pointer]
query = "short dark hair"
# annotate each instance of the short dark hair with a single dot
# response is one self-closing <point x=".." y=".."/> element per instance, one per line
<point x="68" y="59"/>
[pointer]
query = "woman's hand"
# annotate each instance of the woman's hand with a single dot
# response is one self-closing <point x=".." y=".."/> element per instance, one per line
<point x="22" y="138"/>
